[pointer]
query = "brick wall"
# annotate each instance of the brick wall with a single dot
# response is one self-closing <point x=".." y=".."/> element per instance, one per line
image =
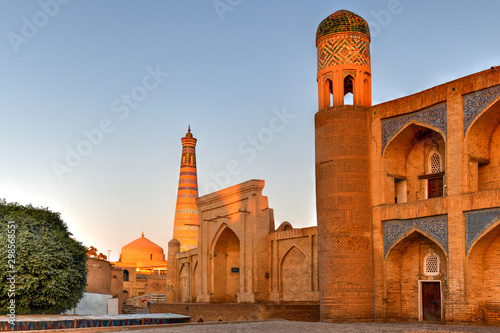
<point x="236" y="312"/>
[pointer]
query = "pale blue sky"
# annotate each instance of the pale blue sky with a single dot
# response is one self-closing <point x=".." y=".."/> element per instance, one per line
<point x="229" y="73"/>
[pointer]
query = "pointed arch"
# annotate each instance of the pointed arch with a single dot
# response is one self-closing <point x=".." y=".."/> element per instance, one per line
<point x="226" y="265"/>
<point x="482" y="275"/>
<point x="404" y="162"/>
<point x="348" y="90"/>
<point x="404" y="268"/>
<point x="295" y="275"/>
<point x="217" y="235"/>
<point x="290" y="249"/>
<point x="483" y="134"/>
<point x="406" y="126"/>
<point x="418" y="231"/>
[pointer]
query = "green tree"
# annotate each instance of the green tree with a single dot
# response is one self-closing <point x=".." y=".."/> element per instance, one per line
<point x="50" y="266"/>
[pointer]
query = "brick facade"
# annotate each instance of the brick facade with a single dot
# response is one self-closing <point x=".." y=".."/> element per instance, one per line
<point x="408" y="204"/>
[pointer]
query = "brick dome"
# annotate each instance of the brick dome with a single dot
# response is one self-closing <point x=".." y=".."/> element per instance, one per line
<point x="142" y="251"/>
<point x="342" y="21"/>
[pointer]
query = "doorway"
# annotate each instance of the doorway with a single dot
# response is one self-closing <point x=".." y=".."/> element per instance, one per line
<point x="430" y="301"/>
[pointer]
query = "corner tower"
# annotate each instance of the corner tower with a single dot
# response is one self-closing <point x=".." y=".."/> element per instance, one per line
<point x="342" y="169"/>
<point x="186" y="211"/>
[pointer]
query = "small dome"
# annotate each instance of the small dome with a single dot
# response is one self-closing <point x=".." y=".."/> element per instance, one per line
<point x="342" y="21"/>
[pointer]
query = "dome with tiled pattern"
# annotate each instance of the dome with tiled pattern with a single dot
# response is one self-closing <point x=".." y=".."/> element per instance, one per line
<point x="342" y="21"/>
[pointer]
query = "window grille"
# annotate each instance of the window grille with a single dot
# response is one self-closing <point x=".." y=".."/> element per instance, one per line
<point x="435" y="163"/>
<point x="431" y="264"/>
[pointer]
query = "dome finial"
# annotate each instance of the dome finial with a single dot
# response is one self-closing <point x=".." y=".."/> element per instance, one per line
<point x="143" y="234"/>
<point x="189" y="128"/>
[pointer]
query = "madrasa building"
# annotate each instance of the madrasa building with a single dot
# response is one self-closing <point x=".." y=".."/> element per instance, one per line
<point x="408" y="209"/>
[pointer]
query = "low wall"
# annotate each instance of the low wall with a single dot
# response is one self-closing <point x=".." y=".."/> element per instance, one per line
<point x="91" y="304"/>
<point x="239" y="311"/>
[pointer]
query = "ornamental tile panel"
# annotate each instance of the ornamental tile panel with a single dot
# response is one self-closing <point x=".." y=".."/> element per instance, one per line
<point x="434" y="116"/>
<point x="476" y="223"/>
<point x="476" y="102"/>
<point x="435" y="226"/>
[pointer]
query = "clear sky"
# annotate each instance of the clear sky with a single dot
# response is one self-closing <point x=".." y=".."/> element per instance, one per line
<point x="95" y="96"/>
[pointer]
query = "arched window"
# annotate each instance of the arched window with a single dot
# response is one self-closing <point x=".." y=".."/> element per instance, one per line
<point x="125" y="275"/>
<point x="431" y="264"/>
<point x="348" y="90"/>
<point x="435" y="165"/>
<point x="329" y="92"/>
<point x="435" y="182"/>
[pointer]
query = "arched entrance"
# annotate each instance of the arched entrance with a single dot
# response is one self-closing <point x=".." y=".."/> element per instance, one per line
<point x="416" y="270"/>
<point x="226" y="267"/>
<point x="484" y="285"/>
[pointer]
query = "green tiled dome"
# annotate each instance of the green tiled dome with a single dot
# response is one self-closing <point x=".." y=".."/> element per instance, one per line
<point x="342" y="21"/>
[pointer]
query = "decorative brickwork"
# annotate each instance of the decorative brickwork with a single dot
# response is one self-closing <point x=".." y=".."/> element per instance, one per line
<point x="344" y="51"/>
<point x="435" y="226"/>
<point x="434" y="116"/>
<point x="474" y="103"/>
<point x="476" y="222"/>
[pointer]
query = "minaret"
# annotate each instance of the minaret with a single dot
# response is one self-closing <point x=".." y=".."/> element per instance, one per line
<point x="342" y="169"/>
<point x="186" y="211"/>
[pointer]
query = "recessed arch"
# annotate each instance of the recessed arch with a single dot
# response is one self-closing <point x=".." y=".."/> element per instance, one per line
<point x="184" y="283"/>
<point x="295" y="275"/>
<point x="484" y="161"/>
<point x="405" y="161"/>
<point x="482" y="275"/>
<point x="488" y="232"/>
<point x="405" y="272"/>
<point x="226" y="265"/>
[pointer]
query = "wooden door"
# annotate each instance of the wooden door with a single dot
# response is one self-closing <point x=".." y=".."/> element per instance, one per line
<point x="435" y="187"/>
<point x="431" y="301"/>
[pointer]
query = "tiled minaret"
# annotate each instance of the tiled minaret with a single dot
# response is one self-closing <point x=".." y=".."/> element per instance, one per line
<point x="186" y="211"/>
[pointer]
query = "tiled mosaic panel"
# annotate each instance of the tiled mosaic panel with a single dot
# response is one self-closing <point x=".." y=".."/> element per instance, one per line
<point x="474" y="103"/>
<point x="476" y="222"/>
<point x="434" y="116"/>
<point x="344" y="51"/>
<point x="342" y="21"/>
<point x="435" y="226"/>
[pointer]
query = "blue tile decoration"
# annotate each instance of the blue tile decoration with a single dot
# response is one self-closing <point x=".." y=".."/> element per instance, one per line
<point x="476" y="222"/>
<point x="434" y="116"/>
<point x="474" y="103"/>
<point x="434" y="226"/>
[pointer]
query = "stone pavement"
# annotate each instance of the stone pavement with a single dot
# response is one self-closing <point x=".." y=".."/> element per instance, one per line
<point x="277" y="326"/>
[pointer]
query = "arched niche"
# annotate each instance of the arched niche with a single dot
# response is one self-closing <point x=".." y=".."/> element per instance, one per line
<point x="483" y="276"/>
<point x="226" y="265"/>
<point x="406" y="163"/>
<point x="406" y="277"/>
<point x="483" y="146"/>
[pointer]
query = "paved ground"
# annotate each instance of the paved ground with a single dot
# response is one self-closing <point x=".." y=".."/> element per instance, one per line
<point x="277" y="326"/>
